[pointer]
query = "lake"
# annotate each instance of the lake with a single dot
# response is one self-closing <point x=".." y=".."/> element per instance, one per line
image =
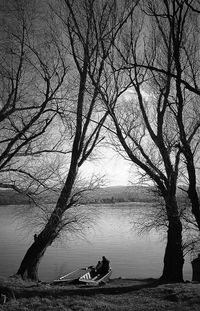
<point x="113" y="235"/>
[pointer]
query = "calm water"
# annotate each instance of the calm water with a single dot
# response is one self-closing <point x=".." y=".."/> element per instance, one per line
<point x="131" y="255"/>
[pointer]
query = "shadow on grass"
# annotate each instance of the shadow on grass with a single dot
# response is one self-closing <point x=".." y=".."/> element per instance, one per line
<point x="114" y="287"/>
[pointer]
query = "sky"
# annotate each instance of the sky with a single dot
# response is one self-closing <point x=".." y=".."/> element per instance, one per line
<point x="117" y="170"/>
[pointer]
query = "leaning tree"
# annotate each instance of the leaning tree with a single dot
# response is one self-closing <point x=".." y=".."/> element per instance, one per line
<point x="89" y="30"/>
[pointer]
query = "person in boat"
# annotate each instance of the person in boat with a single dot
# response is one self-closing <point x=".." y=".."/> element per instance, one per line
<point x="105" y="266"/>
<point x="93" y="272"/>
<point x="98" y="267"/>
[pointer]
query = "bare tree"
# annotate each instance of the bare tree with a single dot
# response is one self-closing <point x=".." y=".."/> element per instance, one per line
<point x="33" y="71"/>
<point x="185" y="47"/>
<point x="167" y="70"/>
<point x="194" y="5"/>
<point x="89" y="31"/>
<point x="178" y="21"/>
<point x="146" y="131"/>
<point x="159" y="129"/>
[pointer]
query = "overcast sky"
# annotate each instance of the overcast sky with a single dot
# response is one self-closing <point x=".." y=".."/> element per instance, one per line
<point x="116" y="170"/>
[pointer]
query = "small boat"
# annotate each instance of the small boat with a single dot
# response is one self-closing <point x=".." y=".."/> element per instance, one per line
<point x="72" y="276"/>
<point x="97" y="280"/>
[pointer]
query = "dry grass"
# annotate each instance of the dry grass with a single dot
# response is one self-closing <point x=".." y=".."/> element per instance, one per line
<point x="117" y="295"/>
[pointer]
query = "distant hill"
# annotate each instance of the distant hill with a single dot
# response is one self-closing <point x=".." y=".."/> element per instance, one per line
<point x="121" y="194"/>
<point x="100" y="195"/>
<point x="8" y="197"/>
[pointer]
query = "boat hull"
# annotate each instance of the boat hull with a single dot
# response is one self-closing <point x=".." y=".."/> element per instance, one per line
<point x="97" y="280"/>
<point x="73" y="276"/>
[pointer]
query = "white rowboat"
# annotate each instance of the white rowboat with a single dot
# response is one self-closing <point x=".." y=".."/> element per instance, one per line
<point x="97" y="280"/>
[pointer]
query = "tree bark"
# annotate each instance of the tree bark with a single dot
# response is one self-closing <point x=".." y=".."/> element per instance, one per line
<point x="192" y="192"/>
<point x="30" y="263"/>
<point x="173" y="259"/>
<point x="194" y="199"/>
<point x="29" y="266"/>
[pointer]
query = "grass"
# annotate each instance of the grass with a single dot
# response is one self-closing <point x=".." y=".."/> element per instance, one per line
<point x="119" y="294"/>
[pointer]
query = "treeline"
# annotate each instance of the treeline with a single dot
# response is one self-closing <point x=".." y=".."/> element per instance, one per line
<point x="110" y="195"/>
<point x="107" y="195"/>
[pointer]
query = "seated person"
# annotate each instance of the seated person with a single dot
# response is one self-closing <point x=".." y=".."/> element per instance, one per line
<point x="105" y="266"/>
<point x="98" y="267"/>
<point x="93" y="272"/>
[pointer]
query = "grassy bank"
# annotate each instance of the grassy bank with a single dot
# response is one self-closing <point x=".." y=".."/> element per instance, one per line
<point x="118" y="294"/>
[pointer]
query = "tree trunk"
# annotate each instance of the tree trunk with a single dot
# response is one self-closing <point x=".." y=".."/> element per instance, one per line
<point x="194" y="199"/>
<point x="192" y="192"/>
<point x="173" y="259"/>
<point x="30" y="263"/>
